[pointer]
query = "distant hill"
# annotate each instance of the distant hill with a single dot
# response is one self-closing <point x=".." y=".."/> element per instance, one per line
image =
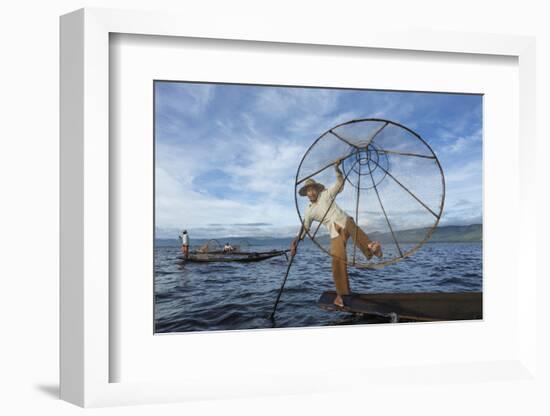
<point x="446" y="234"/>
<point x="234" y="241"/>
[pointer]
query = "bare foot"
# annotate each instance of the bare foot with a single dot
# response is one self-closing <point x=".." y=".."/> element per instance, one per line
<point x="376" y="249"/>
<point x="339" y="301"/>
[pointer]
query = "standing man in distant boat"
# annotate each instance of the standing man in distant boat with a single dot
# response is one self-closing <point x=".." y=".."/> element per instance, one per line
<point x="228" y="248"/>
<point x="323" y="208"/>
<point x="184" y="237"/>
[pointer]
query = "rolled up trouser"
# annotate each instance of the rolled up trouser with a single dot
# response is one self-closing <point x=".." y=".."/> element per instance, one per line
<point x="339" y="257"/>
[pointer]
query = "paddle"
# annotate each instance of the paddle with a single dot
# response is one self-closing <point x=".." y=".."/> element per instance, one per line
<point x="284" y="281"/>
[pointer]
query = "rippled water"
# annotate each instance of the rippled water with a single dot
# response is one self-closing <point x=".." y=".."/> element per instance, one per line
<point x="223" y="296"/>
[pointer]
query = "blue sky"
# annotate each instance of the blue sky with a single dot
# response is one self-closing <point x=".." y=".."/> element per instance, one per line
<point x="227" y="155"/>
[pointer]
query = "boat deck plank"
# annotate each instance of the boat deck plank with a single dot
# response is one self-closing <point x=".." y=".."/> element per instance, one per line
<point x="424" y="306"/>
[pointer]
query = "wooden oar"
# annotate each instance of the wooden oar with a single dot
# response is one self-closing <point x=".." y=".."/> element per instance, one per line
<point x="284" y="281"/>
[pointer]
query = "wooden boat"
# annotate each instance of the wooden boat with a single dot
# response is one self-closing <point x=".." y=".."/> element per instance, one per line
<point x="241" y="257"/>
<point x="424" y="306"/>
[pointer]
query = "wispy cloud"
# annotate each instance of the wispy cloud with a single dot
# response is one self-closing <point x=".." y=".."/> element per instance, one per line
<point x="239" y="224"/>
<point x="227" y="155"/>
<point x="283" y="102"/>
<point x="183" y="99"/>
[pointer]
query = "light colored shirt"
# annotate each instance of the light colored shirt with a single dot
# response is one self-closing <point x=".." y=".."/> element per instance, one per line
<point x="335" y="215"/>
<point x="184" y="239"/>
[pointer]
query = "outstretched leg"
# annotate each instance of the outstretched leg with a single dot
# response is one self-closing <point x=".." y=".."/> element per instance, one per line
<point x="362" y="240"/>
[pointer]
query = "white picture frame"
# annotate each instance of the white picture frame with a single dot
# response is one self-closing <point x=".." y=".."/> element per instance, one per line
<point x="85" y="219"/>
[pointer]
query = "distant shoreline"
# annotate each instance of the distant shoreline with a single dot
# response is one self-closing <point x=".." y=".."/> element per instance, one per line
<point x="447" y="234"/>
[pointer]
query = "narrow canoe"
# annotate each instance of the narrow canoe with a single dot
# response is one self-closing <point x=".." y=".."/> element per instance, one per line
<point x="242" y="257"/>
<point x="424" y="306"/>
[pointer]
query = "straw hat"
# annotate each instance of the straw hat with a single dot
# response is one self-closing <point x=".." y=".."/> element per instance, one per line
<point x="310" y="182"/>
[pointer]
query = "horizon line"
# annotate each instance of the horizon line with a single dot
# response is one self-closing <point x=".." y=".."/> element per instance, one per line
<point x="292" y="236"/>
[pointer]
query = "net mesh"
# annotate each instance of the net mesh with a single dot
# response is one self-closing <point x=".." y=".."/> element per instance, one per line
<point x="210" y="246"/>
<point x="394" y="188"/>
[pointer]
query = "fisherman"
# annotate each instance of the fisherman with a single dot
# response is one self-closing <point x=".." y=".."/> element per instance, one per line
<point x="323" y="208"/>
<point x="228" y="248"/>
<point x="184" y="237"/>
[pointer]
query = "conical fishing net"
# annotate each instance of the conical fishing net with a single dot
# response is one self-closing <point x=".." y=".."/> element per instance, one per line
<point x="211" y="246"/>
<point x="394" y="187"/>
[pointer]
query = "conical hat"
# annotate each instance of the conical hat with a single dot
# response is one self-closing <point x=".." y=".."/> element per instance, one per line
<point x="310" y="182"/>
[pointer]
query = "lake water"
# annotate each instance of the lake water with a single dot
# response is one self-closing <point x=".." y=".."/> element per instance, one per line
<point x="225" y="296"/>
